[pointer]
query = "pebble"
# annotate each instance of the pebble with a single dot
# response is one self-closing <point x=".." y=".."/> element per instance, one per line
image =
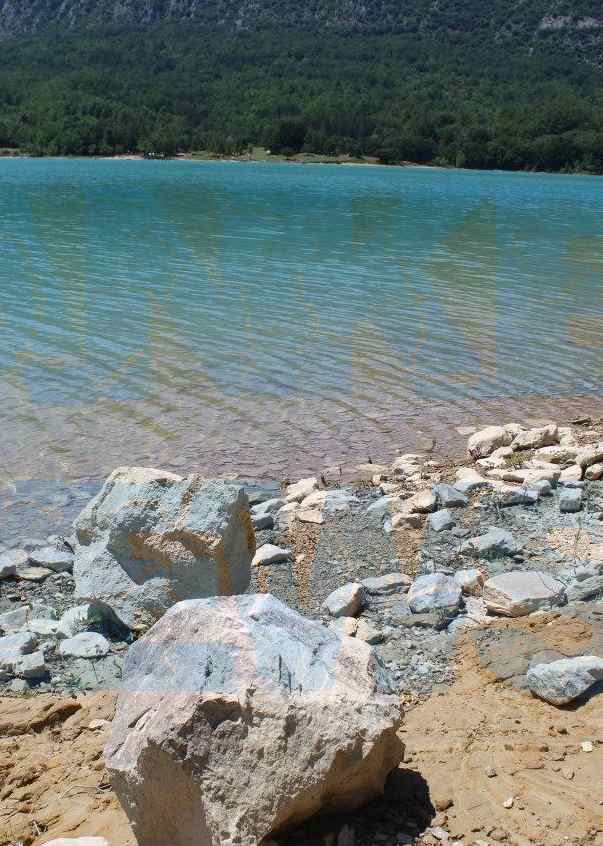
<point x="491" y="772"/>
<point x="570" y="500"/>
<point x="586" y="746"/>
<point x="508" y="803"/>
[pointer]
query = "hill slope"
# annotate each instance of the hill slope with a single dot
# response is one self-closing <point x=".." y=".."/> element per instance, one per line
<point x="503" y="84"/>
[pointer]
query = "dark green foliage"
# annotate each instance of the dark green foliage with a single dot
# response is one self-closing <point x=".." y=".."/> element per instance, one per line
<point x="461" y="99"/>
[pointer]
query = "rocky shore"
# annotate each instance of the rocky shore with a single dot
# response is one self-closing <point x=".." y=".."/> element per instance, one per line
<point x="423" y="567"/>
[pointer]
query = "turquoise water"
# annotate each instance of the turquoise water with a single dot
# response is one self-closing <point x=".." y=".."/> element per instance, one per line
<point x="272" y="318"/>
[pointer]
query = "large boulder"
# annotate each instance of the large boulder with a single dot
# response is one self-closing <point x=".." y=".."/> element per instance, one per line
<point x="519" y="592"/>
<point x="563" y="681"/>
<point x="239" y="718"/>
<point x="151" y="538"/>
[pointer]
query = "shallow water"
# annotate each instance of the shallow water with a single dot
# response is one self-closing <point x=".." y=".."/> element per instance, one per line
<point x="272" y="319"/>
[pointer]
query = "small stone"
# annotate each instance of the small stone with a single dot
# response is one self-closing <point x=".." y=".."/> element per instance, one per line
<point x="491" y="772"/>
<point x="346" y="601"/>
<point x="432" y="592"/>
<point x="470" y="581"/>
<point x="85" y="645"/>
<point x="268" y="553"/>
<point x="9" y="561"/>
<point x="586" y="746"/>
<point x="567" y="773"/>
<point x="570" y="500"/>
<point x="33" y="574"/>
<point x="262" y="521"/>
<point x="310" y="515"/>
<point x="43" y="628"/>
<point x="301" y="489"/>
<point x="483" y="443"/>
<point x="422" y="502"/>
<point x="449" y="497"/>
<point x="32" y="666"/>
<point x="269" y="506"/>
<point x="442" y="520"/>
<point x="54" y="559"/>
<point x="536" y="438"/>
<point x="571" y="474"/>
<point x="405" y="520"/>
<point x="508" y="803"/>
<point x="495" y="543"/>
<point x="388" y="584"/>
<point x="594" y="472"/>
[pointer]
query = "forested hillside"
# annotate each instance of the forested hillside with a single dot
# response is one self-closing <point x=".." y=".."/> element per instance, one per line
<point x="460" y="83"/>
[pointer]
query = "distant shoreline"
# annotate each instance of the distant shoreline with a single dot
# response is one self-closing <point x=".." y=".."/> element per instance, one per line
<point x="297" y="159"/>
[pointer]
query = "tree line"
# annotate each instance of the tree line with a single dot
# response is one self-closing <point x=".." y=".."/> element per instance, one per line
<point x="462" y="102"/>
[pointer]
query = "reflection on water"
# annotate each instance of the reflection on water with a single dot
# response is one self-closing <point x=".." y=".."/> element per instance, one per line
<point x="269" y="319"/>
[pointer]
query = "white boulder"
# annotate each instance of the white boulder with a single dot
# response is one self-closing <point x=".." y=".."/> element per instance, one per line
<point x="346" y="601"/>
<point x="484" y="442"/>
<point x="151" y="538"/>
<point x="254" y="717"/>
<point x="434" y="592"/>
<point x="519" y="592"/>
<point x="563" y="681"/>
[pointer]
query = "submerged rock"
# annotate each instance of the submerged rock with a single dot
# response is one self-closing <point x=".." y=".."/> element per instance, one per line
<point x="151" y="538"/>
<point x="255" y="717"/>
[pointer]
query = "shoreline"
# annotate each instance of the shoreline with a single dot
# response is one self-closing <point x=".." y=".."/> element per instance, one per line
<point x="323" y="160"/>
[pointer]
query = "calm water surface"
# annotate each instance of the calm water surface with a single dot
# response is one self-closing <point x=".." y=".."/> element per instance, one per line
<point x="271" y="319"/>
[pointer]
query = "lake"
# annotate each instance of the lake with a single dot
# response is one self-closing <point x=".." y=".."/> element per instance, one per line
<point x="274" y="319"/>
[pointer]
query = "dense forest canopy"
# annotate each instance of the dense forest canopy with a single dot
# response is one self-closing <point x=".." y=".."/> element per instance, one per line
<point x="444" y="83"/>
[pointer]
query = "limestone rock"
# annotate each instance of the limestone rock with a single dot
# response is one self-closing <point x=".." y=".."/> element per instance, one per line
<point x="346" y="601"/>
<point x="563" y="681"/>
<point x="558" y="454"/>
<point x="269" y="506"/>
<point x="331" y="501"/>
<point x="536" y="438"/>
<point x="484" y="442"/>
<point x="255" y="717"/>
<point x="573" y="473"/>
<point x="594" y="472"/>
<point x="589" y="455"/>
<point x="584" y="589"/>
<point x="449" y="497"/>
<point x="421" y="503"/>
<point x="13" y="647"/>
<point x="31" y="666"/>
<point x="81" y="617"/>
<point x="469" y="480"/>
<point x="432" y="592"/>
<point x="310" y="515"/>
<point x="262" y="521"/>
<point x="10" y="560"/>
<point x="384" y="585"/>
<point x="85" y="645"/>
<point x="509" y="495"/>
<point x="495" y="543"/>
<point x="301" y="489"/>
<point x="470" y="581"/>
<point x="58" y="560"/>
<point x="518" y="592"/>
<point x="441" y="520"/>
<point x="368" y="633"/>
<point x="570" y="500"/>
<point x="151" y="538"/>
<point x="271" y="554"/>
